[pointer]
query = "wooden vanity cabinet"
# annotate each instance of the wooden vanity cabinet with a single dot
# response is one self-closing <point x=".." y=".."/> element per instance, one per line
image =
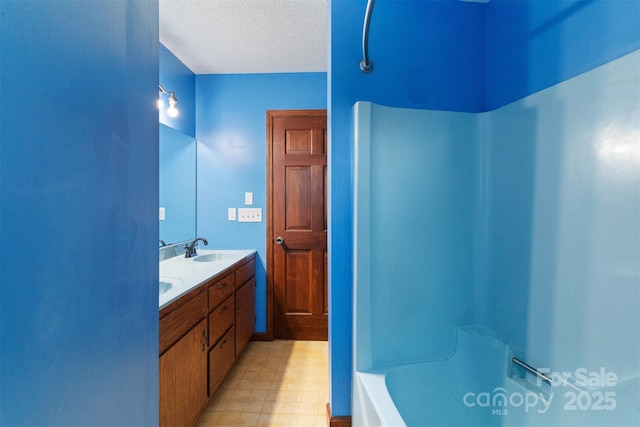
<point x="201" y="335"/>
<point x="183" y="361"/>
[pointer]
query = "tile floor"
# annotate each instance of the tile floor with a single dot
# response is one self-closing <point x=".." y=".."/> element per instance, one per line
<point x="275" y="383"/>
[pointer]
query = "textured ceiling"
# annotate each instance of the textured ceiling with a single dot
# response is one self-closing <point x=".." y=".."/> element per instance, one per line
<point x="246" y="36"/>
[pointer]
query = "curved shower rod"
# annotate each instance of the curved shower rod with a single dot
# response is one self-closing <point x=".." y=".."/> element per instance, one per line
<point x="366" y="65"/>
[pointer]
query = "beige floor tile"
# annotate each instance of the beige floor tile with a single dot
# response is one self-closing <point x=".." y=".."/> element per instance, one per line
<point x="307" y="420"/>
<point x="314" y="408"/>
<point x="267" y="376"/>
<point x="262" y="384"/>
<point x="267" y="420"/>
<point x="234" y="405"/>
<point x="285" y="420"/>
<point x="241" y="394"/>
<point x="230" y="418"/>
<point x="254" y="406"/>
<point x="309" y="396"/>
<point x="277" y="383"/>
<point x="273" y="394"/>
<point x="257" y="394"/>
<point x="209" y="419"/>
<point x="244" y="384"/>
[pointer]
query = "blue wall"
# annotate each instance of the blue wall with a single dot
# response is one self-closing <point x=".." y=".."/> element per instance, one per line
<point x="231" y="133"/>
<point x="532" y="45"/>
<point x="507" y="49"/>
<point x="426" y="54"/>
<point x="176" y="77"/>
<point x="177" y="150"/>
<point x="79" y="197"/>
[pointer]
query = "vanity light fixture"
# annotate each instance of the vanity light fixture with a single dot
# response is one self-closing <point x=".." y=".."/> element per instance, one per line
<point x="172" y="111"/>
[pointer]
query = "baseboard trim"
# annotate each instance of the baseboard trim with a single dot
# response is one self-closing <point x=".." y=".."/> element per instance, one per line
<point x="342" y="421"/>
<point x="260" y="336"/>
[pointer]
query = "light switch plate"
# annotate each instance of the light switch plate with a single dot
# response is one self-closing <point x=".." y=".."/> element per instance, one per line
<point x="249" y="214"/>
<point x="248" y="198"/>
<point x="161" y="214"/>
<point x="231" y="214"/>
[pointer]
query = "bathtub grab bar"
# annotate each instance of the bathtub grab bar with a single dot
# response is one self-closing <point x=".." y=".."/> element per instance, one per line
<point x="366" y="65"/>
<point x="531" y="369"/>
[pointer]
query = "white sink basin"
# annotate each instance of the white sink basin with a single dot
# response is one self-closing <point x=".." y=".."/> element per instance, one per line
<point x="168" y="283"/>
<point x="181" y="274"/>
<point x="213" y="257"/>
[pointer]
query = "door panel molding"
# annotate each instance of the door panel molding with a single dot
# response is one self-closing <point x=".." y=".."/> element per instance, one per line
<point x="300" y="146"/>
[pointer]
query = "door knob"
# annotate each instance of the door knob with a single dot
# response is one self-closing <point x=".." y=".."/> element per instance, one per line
<point x="279" y="240"/>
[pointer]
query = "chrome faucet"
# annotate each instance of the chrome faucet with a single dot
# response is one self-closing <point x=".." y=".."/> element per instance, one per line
<point x="190" y="249"/>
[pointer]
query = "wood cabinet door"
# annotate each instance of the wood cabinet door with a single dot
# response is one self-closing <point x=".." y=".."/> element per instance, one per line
<point x="191" y="375"/>
<point x="245" y="314"/>
<point x="167" y="386"/>
<point x="298" y="223"/>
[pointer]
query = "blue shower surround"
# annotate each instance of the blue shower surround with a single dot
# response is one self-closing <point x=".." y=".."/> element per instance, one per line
<point x="517" y="59"/>
<point x="552" y="184"/>
<point x="426" y="54"/>
<point x="231" y="134"/>
<point x="79" y="203"/>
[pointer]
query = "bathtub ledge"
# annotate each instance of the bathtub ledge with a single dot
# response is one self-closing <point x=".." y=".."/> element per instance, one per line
<point x="382" y="402"/>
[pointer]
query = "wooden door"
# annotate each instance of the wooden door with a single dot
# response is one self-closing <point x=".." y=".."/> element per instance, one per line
<point x="297" y="228"/>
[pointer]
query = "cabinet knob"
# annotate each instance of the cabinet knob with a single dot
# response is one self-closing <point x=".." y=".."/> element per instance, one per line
<point x="279" y="240"/>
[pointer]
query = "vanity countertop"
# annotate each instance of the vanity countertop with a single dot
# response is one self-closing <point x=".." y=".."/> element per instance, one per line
<point x="179" y="275"/>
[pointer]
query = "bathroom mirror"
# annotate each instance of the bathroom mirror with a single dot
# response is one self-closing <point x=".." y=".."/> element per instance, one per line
<point x="177" y="185"/>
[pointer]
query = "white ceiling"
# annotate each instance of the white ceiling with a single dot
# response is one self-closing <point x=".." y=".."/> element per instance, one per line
<point x="246" y="36"/>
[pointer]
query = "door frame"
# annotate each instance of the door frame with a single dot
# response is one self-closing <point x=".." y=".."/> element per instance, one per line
<point x="271" y="115"/>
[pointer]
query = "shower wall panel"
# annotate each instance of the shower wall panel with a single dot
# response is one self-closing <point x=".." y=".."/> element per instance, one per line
<point x="563" y="214"/>
<point x="414" y="220"/>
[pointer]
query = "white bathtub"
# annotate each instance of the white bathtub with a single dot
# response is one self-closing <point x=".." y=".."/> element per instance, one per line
<point x="480" y="386"/>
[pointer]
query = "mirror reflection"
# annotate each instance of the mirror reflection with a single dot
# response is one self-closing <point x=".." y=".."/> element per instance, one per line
<point x="177" y="186"/>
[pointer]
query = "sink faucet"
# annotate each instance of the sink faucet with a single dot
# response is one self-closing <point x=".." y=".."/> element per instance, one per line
<point x="191" y="247"/>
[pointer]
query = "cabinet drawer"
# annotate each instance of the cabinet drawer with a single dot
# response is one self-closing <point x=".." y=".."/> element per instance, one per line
<point x="178" y="322"/>
<point x="220" y="289"/>
<point x="220" y="319"/>
<point x="245" y="272"/>
<point x="221" y="359"/>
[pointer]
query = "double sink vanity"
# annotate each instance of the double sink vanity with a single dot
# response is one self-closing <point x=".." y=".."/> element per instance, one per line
<point x="207" y="316"/>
